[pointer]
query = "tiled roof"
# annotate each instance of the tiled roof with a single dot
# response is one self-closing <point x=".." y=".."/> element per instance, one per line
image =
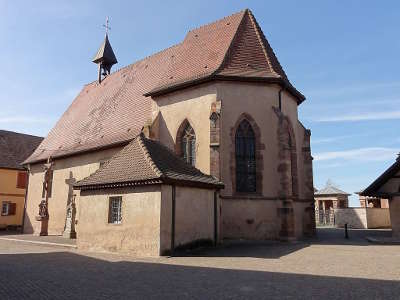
<point x="115" y="111"/>
<point x="15" y="148"/>
<point x="144" y="161"/>
<point x="233" y="48"/>
<point x="330" y="190"/>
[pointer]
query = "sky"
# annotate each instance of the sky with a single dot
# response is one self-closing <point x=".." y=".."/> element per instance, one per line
<point x="342" y="55"/>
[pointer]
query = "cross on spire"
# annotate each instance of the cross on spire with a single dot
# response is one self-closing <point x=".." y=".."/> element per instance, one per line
<point x="107" y="26"/>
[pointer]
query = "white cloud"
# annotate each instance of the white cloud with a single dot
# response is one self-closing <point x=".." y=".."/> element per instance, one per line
<point x="335" y="138"/>
<point x="353" y="88"/>
<point x="361" y="154"/>
<point x="369" y="116"/>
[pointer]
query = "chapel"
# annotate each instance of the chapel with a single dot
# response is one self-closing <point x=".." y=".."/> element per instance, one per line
<point x="197" y="143"/>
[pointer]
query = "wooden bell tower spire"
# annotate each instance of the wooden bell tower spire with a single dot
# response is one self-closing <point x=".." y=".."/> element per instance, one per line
<point x="105" y="57"/>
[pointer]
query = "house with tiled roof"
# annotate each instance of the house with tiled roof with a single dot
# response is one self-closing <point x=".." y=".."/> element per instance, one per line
<point x="327" y="200"/>
<point x="14" y="149"/>
<point x="387" y="186"/>
<point x="198" y="142"/>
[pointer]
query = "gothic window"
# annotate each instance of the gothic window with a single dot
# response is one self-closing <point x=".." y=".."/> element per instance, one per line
<point x="188" y="145"/>
<point x="245" y="154"/>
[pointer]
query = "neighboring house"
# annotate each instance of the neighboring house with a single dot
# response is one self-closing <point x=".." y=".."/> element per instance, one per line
<point x="14" y="149"/>
<point x="373" y="202"/>
<point x="330" y="197"/>
<point x="220" y="102"/>
<point x="387" y="186"/>
<point x="326" y="201"/>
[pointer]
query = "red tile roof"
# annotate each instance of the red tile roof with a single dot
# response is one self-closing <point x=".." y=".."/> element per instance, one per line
<point x="143" y="162"/>
<point x="15" y="148"/>
<point x="115" y="111"/>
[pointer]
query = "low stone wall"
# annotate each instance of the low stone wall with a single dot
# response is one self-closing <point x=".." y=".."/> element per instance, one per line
<point x="360" y="217"/>
<point x="354" y="217"/>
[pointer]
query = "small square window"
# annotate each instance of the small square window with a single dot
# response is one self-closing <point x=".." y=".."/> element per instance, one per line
<point x="4" y="209"/>
<point x="8" y="208"/>
<point x="115" y="210"/>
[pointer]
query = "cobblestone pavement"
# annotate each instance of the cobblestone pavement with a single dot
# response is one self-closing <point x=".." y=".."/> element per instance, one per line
<point x="327" y="268"/>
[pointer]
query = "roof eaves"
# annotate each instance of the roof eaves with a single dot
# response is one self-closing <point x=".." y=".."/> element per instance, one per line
<point x="172" y="88"/>
<point x="77" y="152"/>
<point x="83" y="186"/>
<point x="371" y="190"/>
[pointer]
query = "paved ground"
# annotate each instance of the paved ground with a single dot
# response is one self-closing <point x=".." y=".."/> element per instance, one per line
<point x="327" y="268"/>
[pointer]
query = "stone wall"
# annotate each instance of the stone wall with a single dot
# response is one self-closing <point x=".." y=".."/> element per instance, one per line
<point x="354" y="217"/>
<point x="362" y="218"/>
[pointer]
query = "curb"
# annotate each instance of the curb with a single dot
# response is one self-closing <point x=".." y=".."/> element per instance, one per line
<point x="39" y="243"/>
<point x="383" y="241"/>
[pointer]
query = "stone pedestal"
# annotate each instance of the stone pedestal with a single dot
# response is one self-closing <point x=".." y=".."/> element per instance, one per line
<point x="69" y="231"/>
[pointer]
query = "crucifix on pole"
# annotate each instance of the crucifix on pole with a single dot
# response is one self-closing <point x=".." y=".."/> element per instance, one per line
<point x="107" y="26"/>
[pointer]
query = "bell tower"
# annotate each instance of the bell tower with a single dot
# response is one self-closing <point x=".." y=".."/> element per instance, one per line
<point x="105" y="57"/>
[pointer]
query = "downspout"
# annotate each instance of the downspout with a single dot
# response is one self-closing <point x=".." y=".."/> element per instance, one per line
<point x="173" y="219"/>
<point x="280" y="97"/>
<point x="26" y="198"/>
<point x="215" y="218"/>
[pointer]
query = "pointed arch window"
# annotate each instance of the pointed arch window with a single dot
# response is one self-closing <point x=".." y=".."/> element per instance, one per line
<point x="245" y="155"/>
<point x="188" y="145"/>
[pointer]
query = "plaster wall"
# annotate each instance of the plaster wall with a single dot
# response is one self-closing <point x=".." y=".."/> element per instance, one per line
<point x="378" y="218"/>
<point x="139" y="231"/>
<point x="193" y="104"/>
<point x="255" y="216"/>
<point x="394" y="206"/>
<point x="194" y="215"/>
<point x="256" y="101"/>
<point x="250" y="219"/>
<point x="66" y="172"/>
<point x="10" y="193"/>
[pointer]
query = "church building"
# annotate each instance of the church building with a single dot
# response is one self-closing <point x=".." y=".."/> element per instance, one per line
<point x="197" y="143"/>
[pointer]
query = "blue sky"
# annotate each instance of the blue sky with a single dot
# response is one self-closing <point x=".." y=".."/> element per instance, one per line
<point x="343" y="55"/>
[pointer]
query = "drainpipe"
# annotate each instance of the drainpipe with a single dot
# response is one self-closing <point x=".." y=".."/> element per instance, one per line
<point x="280" y="97"/>
<point x="173" y="219"/>
<point x="215" y="218"/>
<point x="26" y="198"/>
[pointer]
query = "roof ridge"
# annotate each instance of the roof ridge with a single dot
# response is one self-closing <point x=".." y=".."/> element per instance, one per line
<point x="137" y="62"/>
<point x="257" y="30"/>
<point x="226" y="56"/>
<point x="140" y="139"/>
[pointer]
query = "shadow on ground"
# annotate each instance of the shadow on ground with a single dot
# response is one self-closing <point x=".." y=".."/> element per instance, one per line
<point x="357" y="237"/>
<point x="276" y="250"/>
<point x="66" y="275"/>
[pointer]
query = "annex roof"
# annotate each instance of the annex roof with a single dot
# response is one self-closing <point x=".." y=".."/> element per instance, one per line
<point x="142" y="162"/>
<point x="114" y="112"/>
<point x="330" y="190"/>
<point x="15" y="148"/>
